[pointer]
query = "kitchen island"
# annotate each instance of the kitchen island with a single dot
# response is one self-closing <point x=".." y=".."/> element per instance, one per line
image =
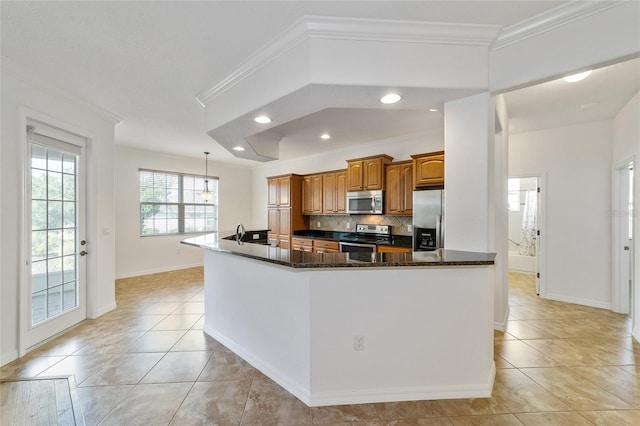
<point x="343" y="328"/>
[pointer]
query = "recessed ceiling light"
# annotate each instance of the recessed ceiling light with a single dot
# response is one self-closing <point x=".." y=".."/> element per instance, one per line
<point x="325" y="136"/>
<point x="391" y="98"/>
<point x="262" y="119"/>
<point x="577" y="77"/>
<point x="238" y="148"/>
<point x="433" y="109"/>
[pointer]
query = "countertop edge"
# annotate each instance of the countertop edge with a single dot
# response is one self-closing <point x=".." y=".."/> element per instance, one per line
<point x="302" y="265"/>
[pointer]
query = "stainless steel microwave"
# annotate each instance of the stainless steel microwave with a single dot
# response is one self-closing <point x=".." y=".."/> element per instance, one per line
<point x="364" y="202"/>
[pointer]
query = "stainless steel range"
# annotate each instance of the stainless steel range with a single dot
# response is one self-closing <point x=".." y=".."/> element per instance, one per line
<point x="365" y="238"/>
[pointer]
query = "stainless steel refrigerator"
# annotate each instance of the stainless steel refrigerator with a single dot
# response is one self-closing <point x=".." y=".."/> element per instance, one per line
<point x="428" y="220"/>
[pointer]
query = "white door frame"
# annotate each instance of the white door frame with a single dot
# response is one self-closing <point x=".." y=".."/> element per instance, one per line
<point x="620" y="288"/>
<point x="67" y="133"/>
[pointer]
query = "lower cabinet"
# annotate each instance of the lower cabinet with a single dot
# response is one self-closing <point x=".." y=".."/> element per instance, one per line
<point x="315" y="246"/>
<point x="326" y="246"/>
<point x="302" y="244"/>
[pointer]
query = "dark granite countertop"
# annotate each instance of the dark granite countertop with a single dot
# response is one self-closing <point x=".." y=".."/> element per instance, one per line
<point x="301" y="259"/>
<point x="394" y="240"/>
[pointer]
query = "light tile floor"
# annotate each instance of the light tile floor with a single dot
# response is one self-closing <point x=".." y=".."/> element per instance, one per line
<point x="149" y="363"/>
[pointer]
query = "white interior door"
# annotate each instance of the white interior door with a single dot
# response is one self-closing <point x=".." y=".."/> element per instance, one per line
<point x="54" y="294"/>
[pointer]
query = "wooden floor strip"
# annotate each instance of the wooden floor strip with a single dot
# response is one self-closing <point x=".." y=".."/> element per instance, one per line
<point x="40" y="401"/>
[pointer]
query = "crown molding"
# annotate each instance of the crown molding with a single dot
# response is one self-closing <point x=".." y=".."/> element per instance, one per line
<point x="323" y="27"/>
<point x="286" y="41"/>
<point x="353" y="29"/>
<point x="551" y="19"/>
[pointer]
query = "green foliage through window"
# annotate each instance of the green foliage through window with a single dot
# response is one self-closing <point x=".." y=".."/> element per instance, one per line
<point x="170" y="203"/>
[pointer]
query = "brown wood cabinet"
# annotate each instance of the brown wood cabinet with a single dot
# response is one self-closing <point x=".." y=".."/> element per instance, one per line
<point x="428" y="169"/>
<point x="279" y="188"/>
<point x="399" y="193"/>
<point x="315" y="246"/>
<point x="303" y="244"/>
<point x="367" y="174"/>
<point x="326" y="246"/>
<point x="393" y="249"/>
<point x="284" y="213"/>
<point x="312" y="191"/>
<point x="334" y="190"/>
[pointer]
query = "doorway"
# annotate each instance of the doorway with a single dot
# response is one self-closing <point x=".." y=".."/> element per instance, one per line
<point x="53" y="296"/>
<point x="524" y="226"/>
<point x="623" y="244"/>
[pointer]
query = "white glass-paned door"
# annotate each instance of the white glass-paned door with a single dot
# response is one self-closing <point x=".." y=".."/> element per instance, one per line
<point x="54" y="233"/>
<point x="56" y="250"/>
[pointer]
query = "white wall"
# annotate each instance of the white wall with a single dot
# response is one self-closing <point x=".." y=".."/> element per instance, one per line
<point x="626" y="146"/>
<point x="137" y="255"/>
<point x="22" y="98"/>
<point x="499" y="230"/>
<point x="576" y="161"/>
<point x="626" y="131"/>
<point x="400" y="149"/>
<point x="467" y="173"/>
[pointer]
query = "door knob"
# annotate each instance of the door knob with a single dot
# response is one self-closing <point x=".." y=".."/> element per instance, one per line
<point x="83" y="253"/>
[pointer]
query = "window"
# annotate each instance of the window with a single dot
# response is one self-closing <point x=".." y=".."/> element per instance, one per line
<point x="170" y="203"/>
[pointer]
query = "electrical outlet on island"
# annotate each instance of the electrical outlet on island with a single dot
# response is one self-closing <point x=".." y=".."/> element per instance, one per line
<point x="358" y="343"/>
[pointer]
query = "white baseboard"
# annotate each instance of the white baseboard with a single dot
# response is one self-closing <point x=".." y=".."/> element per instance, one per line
<point x="578" y="301"/>
<point x="8" y="357"/>
<point x="502" y="325"/>
<point x="406" y="394"/>
<point x="400" y="394"/>
<point x="636" y="334"/>
<point x="157" y="270"/>
<point x="375" y="395"/>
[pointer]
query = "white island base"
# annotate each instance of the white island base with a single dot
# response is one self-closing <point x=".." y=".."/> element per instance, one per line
<point x="428" y="332"/>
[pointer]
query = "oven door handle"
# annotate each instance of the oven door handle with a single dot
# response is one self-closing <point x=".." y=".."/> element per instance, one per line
<point x="373" y="246"/>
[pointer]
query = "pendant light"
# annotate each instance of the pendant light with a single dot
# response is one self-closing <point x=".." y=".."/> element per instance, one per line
<point x="206" y="195"/>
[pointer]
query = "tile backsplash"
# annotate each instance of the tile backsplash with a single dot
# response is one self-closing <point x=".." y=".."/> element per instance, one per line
<point x="347" y="223"/>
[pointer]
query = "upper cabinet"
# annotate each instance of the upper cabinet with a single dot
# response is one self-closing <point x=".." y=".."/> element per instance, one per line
<point x="325" y="193"/>
<point x="367" y="174"/>
<point x="312" y="193"/>
<point x="334" y="200"/>
<point x="399" y="193"/>
<point x="428" y="169"/>
<point x="279" y="191"/>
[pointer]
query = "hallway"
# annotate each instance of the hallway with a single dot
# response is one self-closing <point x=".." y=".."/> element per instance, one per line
<point x="148" y="362"/>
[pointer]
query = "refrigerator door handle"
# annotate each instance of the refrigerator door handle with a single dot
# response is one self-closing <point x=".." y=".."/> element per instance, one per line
<point x="438" y="235"/>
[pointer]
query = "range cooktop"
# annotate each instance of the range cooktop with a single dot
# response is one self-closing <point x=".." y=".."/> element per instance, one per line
<point x="371" y="234"/>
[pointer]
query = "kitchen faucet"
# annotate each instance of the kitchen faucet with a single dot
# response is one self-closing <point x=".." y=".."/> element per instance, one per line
<point x="239" y="233"/>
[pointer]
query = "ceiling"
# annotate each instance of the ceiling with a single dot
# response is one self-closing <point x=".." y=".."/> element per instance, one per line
<point x="558" y="103"/>
<point x="145" y="62"/>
